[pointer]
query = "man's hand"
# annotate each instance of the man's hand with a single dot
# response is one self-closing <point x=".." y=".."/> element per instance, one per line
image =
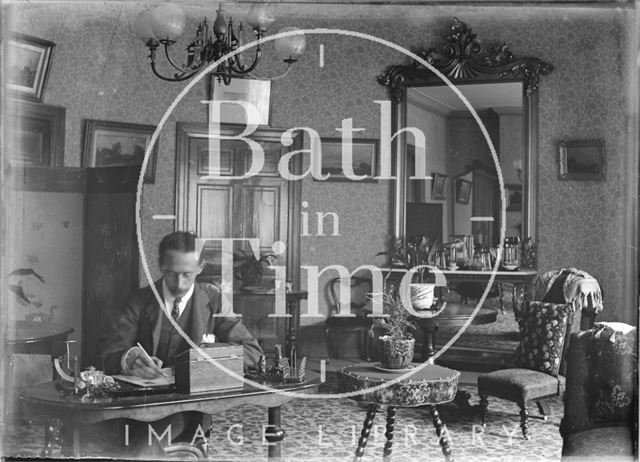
<point x="138" y="364"/>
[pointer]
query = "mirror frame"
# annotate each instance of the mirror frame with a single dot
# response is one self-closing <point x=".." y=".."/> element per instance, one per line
<point x="463" y="59"/>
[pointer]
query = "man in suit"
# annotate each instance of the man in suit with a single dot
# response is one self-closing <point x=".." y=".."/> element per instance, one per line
<point x="191" y="304"/>
<point x="146" y="321"/>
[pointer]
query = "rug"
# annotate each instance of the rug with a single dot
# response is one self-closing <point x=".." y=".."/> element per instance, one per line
<point x="328" y="429"/>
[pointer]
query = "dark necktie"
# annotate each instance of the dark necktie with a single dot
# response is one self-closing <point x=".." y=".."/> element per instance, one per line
<point x="175" y="312"/>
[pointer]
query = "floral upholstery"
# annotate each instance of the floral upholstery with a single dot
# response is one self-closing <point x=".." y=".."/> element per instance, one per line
<point x="598" y="402"/>
<point x="542" y="332"/>
<point x="614" y="377"/>
<point x="429" y="384"/>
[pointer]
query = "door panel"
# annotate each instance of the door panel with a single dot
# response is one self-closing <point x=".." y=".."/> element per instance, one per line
<point x="214" y="212"/>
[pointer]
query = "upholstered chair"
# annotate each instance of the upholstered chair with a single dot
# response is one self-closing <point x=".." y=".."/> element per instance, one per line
<point x="337" y="327"/>
<point x="600" y="398"/>
<point x="545" y="327"/>
<point x="543" y="331"/>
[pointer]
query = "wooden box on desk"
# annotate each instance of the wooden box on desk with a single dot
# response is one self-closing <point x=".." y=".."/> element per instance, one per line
<point x="195" y="373"/>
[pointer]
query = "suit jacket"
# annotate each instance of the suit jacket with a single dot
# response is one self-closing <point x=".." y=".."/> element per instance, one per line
<point x="140" y="320"/>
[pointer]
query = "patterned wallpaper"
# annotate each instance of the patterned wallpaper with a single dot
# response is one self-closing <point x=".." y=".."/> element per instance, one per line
<point x="100" y="71"/>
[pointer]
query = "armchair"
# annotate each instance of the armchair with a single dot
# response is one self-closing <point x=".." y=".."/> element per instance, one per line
<point x="601" y="394"/>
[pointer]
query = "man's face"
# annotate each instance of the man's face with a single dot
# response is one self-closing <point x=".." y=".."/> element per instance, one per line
<point x="180" y="270"/>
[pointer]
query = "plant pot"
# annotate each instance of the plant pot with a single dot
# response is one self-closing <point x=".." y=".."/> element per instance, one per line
<point x="422" y="295"/>
<point x="396" y="353"/>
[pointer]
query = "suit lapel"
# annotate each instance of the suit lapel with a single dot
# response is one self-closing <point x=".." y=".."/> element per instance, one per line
<point x="153" y="319"/>
<point x="200" y="314"/>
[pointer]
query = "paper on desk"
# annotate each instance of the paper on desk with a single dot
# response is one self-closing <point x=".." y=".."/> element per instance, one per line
<point x="169" y="379"/>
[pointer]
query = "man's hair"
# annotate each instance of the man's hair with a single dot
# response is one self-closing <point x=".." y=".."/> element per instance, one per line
<point x="182" y="241"/>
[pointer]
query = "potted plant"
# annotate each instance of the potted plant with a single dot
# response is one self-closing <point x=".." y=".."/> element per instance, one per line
<point x="395" y="333"/>
<point x="407" y="256"/>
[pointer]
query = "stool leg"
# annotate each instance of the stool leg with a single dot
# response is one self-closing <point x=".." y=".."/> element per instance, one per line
<point x="484" y="405"/>
<point x="391" y="421"/>
<point x="364" y="434"/>
<point x="443" y="438"/>
<point x="524" y="420"/>
<point x="544" y="409"/>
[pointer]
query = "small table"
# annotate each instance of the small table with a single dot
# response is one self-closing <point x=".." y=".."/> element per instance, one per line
<point x="60" y="411"/>
<point x="37" y="337"/>
<point x="453" y="315"/>
<point x="520" y="279"/>
<point x="430" y="386"/>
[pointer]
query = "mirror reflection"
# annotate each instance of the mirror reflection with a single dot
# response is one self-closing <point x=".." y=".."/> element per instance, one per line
<point x="463" y="196"/>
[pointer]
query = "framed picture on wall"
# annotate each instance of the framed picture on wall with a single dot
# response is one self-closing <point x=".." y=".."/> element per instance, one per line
<point x="365" y="158"/>
<point x="34" y="134"/>
<point x="118" y="144"/>
<point x="439" y="186"/>
<point x="463" y="191"/>
<point x="253" y="91"/>
<point x="28" y="65"/>
<point x="581" y="160"/>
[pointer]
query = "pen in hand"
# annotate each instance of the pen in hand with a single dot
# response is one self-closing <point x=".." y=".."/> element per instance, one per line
<point x="148" y="358"/>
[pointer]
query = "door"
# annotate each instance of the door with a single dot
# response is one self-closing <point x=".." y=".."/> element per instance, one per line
<point x="264" y="206"/>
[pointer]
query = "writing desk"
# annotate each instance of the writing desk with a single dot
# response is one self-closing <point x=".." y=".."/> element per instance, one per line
<point x="44" y="401"/>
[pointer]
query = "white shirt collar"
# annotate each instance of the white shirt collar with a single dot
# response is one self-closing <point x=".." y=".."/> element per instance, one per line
<point x="169" y="298"/>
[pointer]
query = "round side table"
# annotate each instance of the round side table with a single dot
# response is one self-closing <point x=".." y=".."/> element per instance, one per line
<point x="430" y="386"/>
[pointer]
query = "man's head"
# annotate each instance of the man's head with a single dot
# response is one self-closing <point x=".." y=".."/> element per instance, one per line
<point x="178" y="262"/>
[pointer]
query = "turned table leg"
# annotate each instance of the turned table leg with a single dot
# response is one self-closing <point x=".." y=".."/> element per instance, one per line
<point x="364" y="434"/>
<point x="391" y="421"/>
<point x="429" y="341"/>
<point x="274" y="433"/>
<point x="443" y="435"/>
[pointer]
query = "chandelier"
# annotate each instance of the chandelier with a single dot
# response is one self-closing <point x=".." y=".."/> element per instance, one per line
<point x="163" y="25"/>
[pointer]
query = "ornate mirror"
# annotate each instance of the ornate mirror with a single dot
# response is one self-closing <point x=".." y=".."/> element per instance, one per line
<point x="463" y="195"/>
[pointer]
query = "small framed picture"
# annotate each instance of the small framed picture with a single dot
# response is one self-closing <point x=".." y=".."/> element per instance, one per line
<point x="28" y="65"/>
<point x="514" y="197"/>
<point x="35" y="134"/>
<point x="364" y="152"/>
<point x="253" y="91"/>
<point x="463" y="191"/>
<point x="581" y="160"/>
<point x="118" y="144"/>
<point x="439" y="186"/>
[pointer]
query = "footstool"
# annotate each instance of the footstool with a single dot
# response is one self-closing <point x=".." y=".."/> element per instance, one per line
<point x="429" y="386"/>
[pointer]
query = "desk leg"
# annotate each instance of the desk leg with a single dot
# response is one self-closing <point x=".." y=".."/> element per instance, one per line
<point x="291" y="335"/>
<point x="53" y="439"/>
<point x="274" y="433"/>
<point x="428" y="341"/>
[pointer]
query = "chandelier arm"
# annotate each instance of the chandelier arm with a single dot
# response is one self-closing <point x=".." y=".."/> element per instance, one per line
<point x="176" y="77"/>
<point x="275" y="77"/>
<point x="175" y="66"/>
<point x="240" y="69"/>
